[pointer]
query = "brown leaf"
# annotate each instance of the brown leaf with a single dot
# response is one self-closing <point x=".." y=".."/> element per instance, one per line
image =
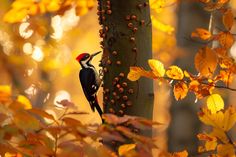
<point x="42" y="113"/>
<point x="205" y="61"/>
<point x="228" y="19"/>
<point x="25" y="121"/>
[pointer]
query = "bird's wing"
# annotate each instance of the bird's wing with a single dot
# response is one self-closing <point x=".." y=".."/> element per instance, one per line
<point x="87" y="79"/>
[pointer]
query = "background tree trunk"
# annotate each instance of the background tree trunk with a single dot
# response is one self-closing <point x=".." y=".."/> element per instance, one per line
<point x="127" y="41"/>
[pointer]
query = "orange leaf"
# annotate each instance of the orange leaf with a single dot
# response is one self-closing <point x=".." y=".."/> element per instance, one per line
<point x="225" y="150"/>
<point x="201" y="33"/>
<point x="180" y="154"/>
<point x="175" y="73"/>
<point x="226" y="39"/>
<point x="180" y="90"/>
<point x="228" y="19"/>
<point x="205" y="61"/>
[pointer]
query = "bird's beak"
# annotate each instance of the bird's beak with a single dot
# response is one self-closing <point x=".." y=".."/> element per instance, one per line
<point x="95" y="54"/>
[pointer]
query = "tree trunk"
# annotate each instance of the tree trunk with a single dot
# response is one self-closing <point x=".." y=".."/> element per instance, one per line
<point x="127" y="41"/>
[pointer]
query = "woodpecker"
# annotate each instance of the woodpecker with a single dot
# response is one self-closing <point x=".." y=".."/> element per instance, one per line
<point x="90" y="80"/>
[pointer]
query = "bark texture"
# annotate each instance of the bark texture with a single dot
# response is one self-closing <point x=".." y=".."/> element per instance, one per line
<point x="127" y="41"/>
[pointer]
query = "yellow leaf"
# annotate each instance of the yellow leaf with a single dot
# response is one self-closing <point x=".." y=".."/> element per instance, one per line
<point x="5" y="93"/>
<point x="220" y="134"/>
<point x="215" y="103"/>
<point x="226" y="150"/>
<point x="123" y="149"/>
<point x="201" y="33"/>
<point x="14" y="16"/>
<point x="220" y="120"/>
<point x="135" y="73"/>
<point x="229" y="118"/>
<point x="205" y="61"/>
<point x="157" y="67"/>
<point x="180" y="90"/>
<point x="161" y="26"/>
<point x="228" y="19"/>
<point x="175" y="73"/>
<point x="24" y="101"/>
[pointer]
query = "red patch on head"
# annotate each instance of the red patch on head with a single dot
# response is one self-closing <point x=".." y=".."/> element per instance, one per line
<point x="79" y="57"/>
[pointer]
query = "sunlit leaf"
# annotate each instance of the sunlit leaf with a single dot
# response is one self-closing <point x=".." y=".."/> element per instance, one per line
<point x="25" y="121"/>
<point x="24" y="101"/>
<point x="123" y="149"/>
<point x="228" y="19"/>
<point x="205" y="61"/>
<point x="157" y="67"/>
<point x="220" y="134"/>
<point x="221" y="120"/>
<point x="5" y="93"/>
<point x="210" y="141"/>
<point x="215" y="103"/>
<point x="136" y="72"/>
<point x="180" y="90"/>
<point x="174" y="72"/>
<point x="201" y="33"/>
<point x="161" y="26"/>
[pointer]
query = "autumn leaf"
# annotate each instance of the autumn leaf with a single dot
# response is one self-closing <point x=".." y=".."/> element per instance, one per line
<point x="161" y="26"/>
<point x="7" y="154"/>
<point x="180" y="90"/>
<point x="26" y="104"/>
<point x="180" y="154"/>
<point x="221" y="52"/>
<point x="225" y="76"/>
<point x="123" y="149"/>
<point x="228" y="19"/>
<point x="210" y="141"/>
<point x="42" y="113"/>
<point x="157" y="67"/>
<point x="5" y="93"/>
<point x="226" y="39"/>
<point x="215" y="103"/>
<point x="25" y="121"/>
<point x="136" y="72"/>
<point x="174" y="72"/>
<point x="205" y="61"/>
<point x="221" y="120"/>
<point x="225" y="150"/>
<point x="220" y="134"/>
<point x="201" y="33"/>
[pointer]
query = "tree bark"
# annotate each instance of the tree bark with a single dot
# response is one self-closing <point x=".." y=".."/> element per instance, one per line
<point x="127" y="41"/>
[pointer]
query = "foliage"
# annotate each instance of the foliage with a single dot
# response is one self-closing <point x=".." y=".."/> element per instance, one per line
<point x="215" y="66"/>
<point x="28" y="131"/>
<point x="22" y="8"/>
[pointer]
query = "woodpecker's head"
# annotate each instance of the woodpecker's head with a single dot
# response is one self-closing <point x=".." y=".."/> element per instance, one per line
<point x="85" y="58"/>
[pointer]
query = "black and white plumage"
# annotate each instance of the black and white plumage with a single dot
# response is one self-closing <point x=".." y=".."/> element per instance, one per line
<point x="89" y="80"/>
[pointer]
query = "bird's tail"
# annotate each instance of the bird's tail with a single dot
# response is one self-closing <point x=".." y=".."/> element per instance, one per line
<point x="94" y="104"/>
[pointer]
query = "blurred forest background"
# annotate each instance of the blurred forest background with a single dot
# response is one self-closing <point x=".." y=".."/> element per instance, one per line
<point x="37" y="59"/>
